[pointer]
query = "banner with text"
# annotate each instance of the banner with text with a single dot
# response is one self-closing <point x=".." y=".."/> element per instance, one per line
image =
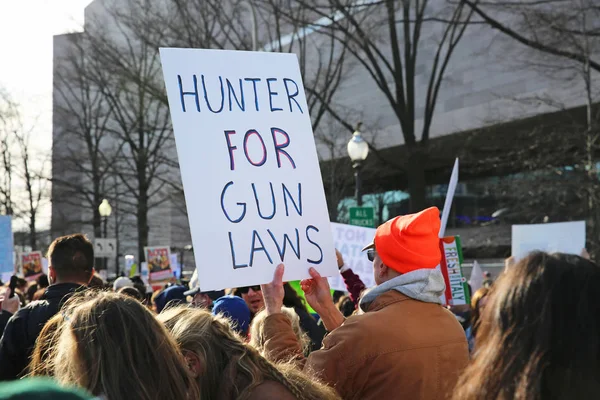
<point x="350" y="240"/>
<point x="31" y="265"/>
<point x="158" y="260"/>
<point x="249" y="166"/>
<point x="457" y="292"/>
<point x="7" y="258"/>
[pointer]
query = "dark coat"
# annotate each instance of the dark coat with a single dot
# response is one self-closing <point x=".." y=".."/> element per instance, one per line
<point x="23" y="328"/>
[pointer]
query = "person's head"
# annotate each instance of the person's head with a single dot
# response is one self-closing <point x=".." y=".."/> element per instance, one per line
<point x="131" y="292"/>
<point x="253" y="297"/>
<point x="171" y="296"/>
<point x="346" y="306"/>
<point x="203" y="299"/>
<point x="121" y="282"/>
<point x="112" y="346"/>
<point x="71" y="259"/>
<point x="236" y="310"/>
<point x="22" y="285"/>
<point x="225" y="367"/>
<point x="405" y="244"/>
<point x="31" y="291"/>
<point x="139" y="284"/>
<point x="539" y="335"/>
<point x="45" y="345"/>
<point x="97" y="282"/>
<point x="42" y="281"/>
<point x="257" y="330"/>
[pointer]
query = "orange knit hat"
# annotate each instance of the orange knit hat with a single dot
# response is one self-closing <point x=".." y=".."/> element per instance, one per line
<point x="410" y="242"/>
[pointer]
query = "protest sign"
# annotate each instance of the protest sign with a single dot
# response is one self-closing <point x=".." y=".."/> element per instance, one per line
<point x="7" y="264"/>
<point x="350" y="240"/>
<point x="457" y="292"/>
<point x="158" y="260"/>
<point x="31" y="265"/>
<point x="449" y="197"/>
<point x="563" y="237"/>
<point x="249" y="166"/>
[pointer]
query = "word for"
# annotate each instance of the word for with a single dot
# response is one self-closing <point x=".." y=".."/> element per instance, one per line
<point x="253" y="135"/>
<point x="278" y="246"/>
<point x="225" y="93"/>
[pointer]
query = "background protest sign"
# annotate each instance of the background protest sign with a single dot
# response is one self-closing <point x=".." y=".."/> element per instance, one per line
<point x="563" y="237"/>
<point x="350" y="240"/>
<point x="7" y="264"/>
<point x="249" y="166"/>
<point x="158" y="260"/>
<point x="31" y="265"/>
<point x="457" y="292"/>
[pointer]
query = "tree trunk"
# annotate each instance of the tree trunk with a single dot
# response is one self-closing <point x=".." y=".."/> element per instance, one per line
<point x="32" y="232"/>
<point x="417" y="184"/>
<point x="142" y="217"/>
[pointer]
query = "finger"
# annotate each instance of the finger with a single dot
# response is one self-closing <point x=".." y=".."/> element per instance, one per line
<point x="314" y="273"/>
<point x="278" y="275"/>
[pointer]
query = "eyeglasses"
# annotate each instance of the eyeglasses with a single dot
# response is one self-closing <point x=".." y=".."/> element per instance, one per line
<point x="246" y="289"/>
<point x="371" y="254"/>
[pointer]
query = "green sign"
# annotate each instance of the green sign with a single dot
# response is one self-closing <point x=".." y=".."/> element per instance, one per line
<point x="362" y="216"/>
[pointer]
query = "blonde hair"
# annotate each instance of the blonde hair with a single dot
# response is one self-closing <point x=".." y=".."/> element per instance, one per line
<point x="111" y="345"/>
<point x="257" y="331"/>
<point x="43" y="351"/>
<point x="233" y="369"/>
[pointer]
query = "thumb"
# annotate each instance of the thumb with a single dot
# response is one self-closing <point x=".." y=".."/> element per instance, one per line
<point x="314" y="273"/>
<point x="278" y="276"/>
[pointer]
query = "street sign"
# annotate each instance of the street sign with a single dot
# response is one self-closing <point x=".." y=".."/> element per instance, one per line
<point x="105" y="248"/>
<point x="362" y="216"/>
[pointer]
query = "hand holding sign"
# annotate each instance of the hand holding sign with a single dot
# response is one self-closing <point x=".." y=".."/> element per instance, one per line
<point x="273" y="292"/>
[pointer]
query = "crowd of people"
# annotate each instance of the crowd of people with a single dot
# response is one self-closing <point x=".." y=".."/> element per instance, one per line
<point x="531" y="334"/>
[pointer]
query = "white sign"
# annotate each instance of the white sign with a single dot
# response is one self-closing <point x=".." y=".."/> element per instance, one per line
<point x="562" y="237"/>
<point x="105" y="248"/>
<point x="350" y="240"/>
<point x="449" y="198"/>
<point x="249" y="166"/>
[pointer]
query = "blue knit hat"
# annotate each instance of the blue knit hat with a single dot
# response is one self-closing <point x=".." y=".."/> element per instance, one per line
<point x="171" y="296"/>
<point x="236" y="310"/>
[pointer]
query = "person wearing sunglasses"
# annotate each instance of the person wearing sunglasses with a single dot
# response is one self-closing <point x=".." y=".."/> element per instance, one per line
<point x="405" y="344"/>
<point x="253" y="297"/>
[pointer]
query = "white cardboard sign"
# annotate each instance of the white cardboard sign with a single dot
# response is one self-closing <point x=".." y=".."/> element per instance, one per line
<point x="563" y="237"/>
<point x="350" y="240"/>
<point x="249" y="166"/>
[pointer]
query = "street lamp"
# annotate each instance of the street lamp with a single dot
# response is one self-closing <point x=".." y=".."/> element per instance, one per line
<point x="358" y="150"/>
<point x="105" y="210"/>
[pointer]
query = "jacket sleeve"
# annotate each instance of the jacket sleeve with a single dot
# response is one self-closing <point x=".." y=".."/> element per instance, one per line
<point x="354" y="285"/>
<point x="13" y="348"/>
<point x="330" y="363"/>
<point x="281" y="343"/>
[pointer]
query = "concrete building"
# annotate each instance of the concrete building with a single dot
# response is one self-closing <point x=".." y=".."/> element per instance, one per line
<point x="489" y="104"/>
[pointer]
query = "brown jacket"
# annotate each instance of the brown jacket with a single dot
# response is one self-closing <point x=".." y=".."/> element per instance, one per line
<point x="399" y="349"/>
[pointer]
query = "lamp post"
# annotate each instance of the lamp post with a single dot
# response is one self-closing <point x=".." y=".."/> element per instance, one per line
<point x="105" y="210"/>
<point x="358" y="150"/>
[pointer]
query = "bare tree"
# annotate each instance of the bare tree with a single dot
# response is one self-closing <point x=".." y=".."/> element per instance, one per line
<point x="124" y="68"/>
<point x="563" y="41"/>
<point x="29" y="171"/>
<point x="8" y="111"/>
<point x="385" y="38"/>
<point x="82" y="145"/>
